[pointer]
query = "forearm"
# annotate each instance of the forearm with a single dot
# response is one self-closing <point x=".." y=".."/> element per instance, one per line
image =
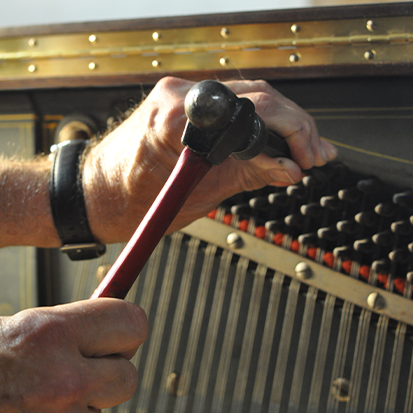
<point x="25" y="213"/>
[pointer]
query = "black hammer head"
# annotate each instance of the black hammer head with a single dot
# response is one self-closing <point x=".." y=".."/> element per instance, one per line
<point x="220" y="124"/>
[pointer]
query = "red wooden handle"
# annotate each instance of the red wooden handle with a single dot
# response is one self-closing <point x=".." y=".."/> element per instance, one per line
<point x="188" y="172"/>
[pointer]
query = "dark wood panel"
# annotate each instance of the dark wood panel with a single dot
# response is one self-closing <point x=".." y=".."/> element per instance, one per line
<point x="270" y="16"/>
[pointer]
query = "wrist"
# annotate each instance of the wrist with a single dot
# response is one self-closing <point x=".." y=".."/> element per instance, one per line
<point x="25" y="211"/>
<point x="68" y="204"/>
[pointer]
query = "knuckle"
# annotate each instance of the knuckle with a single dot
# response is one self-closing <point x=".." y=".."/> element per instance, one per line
<point x="263" y="85"/>
<point x="167" y="82"/>
<point x="139" y="320"/>
<point x="263" y="102"/>
<point x="303" y="128"/>
<point x="34" y="326"/>
<point x="128" y="380"/>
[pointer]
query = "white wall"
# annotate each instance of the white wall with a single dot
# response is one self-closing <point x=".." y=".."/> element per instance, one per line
<point x="34" y="12"/>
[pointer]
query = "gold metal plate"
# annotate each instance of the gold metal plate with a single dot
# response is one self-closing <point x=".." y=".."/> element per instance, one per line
<point x="233" y="47"/>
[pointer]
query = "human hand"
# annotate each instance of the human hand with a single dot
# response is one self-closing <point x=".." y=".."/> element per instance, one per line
<point x="125" y="172"/>
<point x="70" y="358"/>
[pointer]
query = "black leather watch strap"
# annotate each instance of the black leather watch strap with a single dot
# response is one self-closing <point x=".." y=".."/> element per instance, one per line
<point x="68" y="204"/>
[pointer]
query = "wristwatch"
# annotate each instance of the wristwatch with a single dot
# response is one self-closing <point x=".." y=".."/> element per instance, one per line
<point x="68" y="204"/>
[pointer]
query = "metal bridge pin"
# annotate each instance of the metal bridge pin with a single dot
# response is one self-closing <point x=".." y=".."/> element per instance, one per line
<point x="366" y="218"/>
<point x="297" y="191"/>
<point x="380" y="266"/>
<point x="404" y="199"/>
<point x="311" y="181"/>
<point x="369" y="185"/>
<point x="383" y="238"/>
<point x="294" y="220"/>
<point x="328" y="233"/>
<point x="331" y="202"/>
<point x="102" y="271"/>
<point x="399" y="255"/>
<point x="308" y="239"/>
<point x="363" y="245"/>
<point x="172" y="383"/>
<point x="340" y="389"/>
<point x="259" y="202"/>
<point x="240" y="209"/>
<point x="347" y="226"/>
<point x="278" y="198"/>
<point x="385" y="209"/>
<point x="351" y="195"/>
<point x="311" y="210"/>
<point x="401" y="228"/>
<point x="275" y="226"/>
<point x="344" y="252"/>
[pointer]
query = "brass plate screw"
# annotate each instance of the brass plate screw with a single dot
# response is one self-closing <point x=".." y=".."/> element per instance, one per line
<point x="234" y="241"/>
<point x="295" y="28"/>
<point x="224" y="61"/>
<point x="32" y="42"/>
<point x="375" y="301"/>
<point x="370" y="25"/>
<point x="370" y="54"/>
<point x="294" y="58"/>
<point x="303" y="271"/>
<point x="224" y="32"/>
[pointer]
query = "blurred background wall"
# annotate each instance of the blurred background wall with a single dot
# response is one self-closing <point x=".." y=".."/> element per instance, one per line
<point x="34" y="12"/>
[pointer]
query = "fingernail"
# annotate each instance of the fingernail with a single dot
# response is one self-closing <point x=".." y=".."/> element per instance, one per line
<point x="329" y="150"/>
<point x="278" y="175"/>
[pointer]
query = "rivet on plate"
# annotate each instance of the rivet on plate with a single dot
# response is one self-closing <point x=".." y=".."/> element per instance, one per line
<point x="223" y="61"/>
<point x="295" y="28"/>
<point x="224" y="32"/>
<point x="156" y="63"/>
<point x="370" y="54"/>
<point x="371" y="25"/>
<point x="375" y="301"/>
<point x="340" y="389"/>
<point x="92" y="66"/>
<point x="32" y="42"/>
<point x="234" y="241"/>
<point x="294" y="58"/>
<point x="156" y="36"/>
<point x="172" y="383"/>
<point x="32" y="68"/>
<point x="303" y="271"/>
<point x="92" y="38"/>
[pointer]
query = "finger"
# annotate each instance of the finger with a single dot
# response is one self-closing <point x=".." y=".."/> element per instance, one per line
<point x="276" y="171"/>
<point x="107" y="326"/>
<point x="289" y="120"/>
<point x="114" y="382"/>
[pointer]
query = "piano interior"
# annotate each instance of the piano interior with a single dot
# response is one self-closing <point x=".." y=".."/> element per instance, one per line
<point x="293" y="299"/>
